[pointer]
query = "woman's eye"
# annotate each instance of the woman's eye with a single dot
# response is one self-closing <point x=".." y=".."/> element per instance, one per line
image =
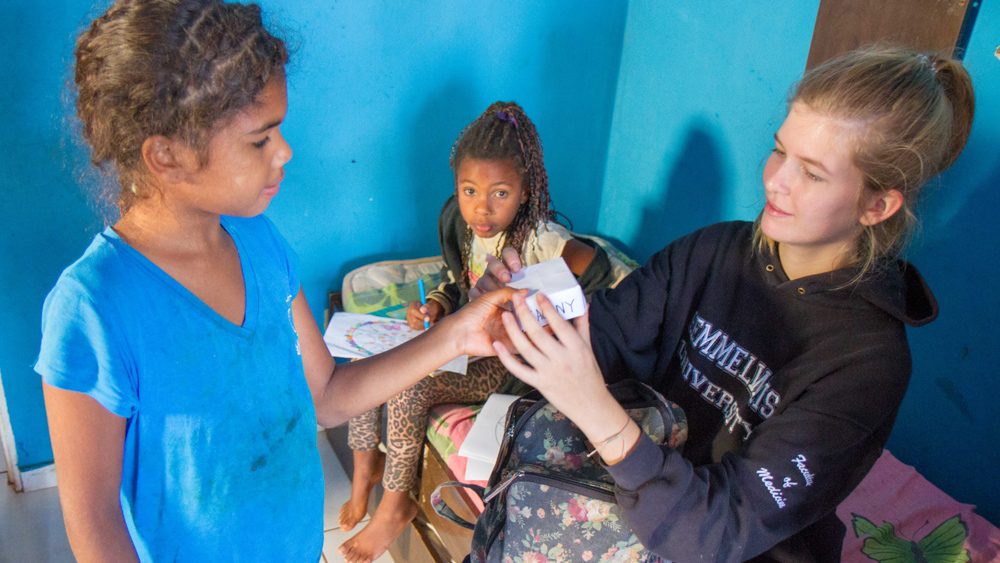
<point x="778" y="151"/>
<point x="260" y="144"/>
<point x="502" y="194"/>
<point x="812" y="176"/>
<point x="469" y="192"/>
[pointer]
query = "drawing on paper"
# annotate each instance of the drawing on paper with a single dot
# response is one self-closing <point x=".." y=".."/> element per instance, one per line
<point x="352" y="335"/>
<point x="372" y="337"/>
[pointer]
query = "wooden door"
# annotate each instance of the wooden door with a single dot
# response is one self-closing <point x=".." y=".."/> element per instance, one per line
<point x="940" y="26"/>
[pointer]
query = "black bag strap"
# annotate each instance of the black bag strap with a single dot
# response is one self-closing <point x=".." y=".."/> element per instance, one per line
<point x="630" y="393"/>
<point x="445" y="511"/>
<point x="626" y="392"/>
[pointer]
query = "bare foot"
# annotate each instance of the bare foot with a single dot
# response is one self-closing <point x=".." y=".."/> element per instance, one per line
<point x="391" y="517"/>
<point x="368" y="468"/>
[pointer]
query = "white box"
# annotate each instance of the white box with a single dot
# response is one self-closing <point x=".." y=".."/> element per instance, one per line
<point x="553" y="279"/>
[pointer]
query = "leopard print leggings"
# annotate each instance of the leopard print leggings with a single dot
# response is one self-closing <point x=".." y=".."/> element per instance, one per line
<point x="407" y="418"/>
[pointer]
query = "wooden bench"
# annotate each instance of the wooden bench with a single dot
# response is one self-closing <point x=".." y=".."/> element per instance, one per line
<point x="429" y="538"/>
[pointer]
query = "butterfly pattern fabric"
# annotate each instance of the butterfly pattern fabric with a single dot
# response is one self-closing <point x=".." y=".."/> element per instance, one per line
<point x="944" y="544"/>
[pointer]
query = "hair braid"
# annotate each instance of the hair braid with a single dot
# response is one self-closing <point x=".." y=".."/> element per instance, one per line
<point x="504" y="132"/>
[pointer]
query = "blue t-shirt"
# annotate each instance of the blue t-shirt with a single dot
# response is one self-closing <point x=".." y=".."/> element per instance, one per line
<point x="220" y="460"/>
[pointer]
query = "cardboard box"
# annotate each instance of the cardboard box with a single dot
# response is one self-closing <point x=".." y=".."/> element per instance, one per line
<point x="554" y="279"/>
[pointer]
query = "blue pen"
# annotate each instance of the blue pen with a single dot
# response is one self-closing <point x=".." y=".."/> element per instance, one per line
<point x="423" y="300"/>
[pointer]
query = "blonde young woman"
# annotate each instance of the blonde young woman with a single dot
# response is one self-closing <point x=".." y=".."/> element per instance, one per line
<point x="782" y="339"/>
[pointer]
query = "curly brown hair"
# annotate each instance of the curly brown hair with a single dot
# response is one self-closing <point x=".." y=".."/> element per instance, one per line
<point x="177" y="68"/>
<point x="504" y="132"/>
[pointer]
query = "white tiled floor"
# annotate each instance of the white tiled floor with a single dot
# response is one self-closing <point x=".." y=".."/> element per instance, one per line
<point x="31" y="526"/>
<point x="32" y="531"/>
<point x="338" y="490"/>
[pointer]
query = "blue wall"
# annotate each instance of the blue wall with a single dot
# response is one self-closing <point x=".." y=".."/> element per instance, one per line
<point x="46" y="218"/>
<point x="378" y="91"/>
<point x="656" y="121"/>
<point x="948" y="427"/>
<point x="699" y="98"/>
<point x="373" y="114"/>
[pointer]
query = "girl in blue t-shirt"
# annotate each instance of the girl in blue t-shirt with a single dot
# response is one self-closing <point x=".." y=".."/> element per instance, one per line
<point x="173" y="351"/>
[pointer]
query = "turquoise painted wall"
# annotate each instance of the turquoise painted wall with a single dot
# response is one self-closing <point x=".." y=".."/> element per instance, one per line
<point x="45" y="217"/>
<point x="701" y="90"/>
<point x="378" y="91"/>
<point x="948" y="427"/>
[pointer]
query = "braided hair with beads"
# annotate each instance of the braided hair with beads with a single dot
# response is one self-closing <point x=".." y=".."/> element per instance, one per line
<point x="504" y="132"/>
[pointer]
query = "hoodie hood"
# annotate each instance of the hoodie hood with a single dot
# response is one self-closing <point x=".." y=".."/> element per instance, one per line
<point x="898" y="289"/>
<point x="902" y="292"/>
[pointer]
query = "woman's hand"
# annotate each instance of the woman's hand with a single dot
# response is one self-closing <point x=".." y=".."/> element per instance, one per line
<point x="498" y="272"/>
<point x="416" y="314"/>
<point x="562" y="366"/>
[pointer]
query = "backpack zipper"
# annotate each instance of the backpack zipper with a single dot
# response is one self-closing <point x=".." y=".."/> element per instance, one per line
<point x="589" y="487"/>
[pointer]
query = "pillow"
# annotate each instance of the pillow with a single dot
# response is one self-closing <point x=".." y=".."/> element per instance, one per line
<point x="385" y="288"/>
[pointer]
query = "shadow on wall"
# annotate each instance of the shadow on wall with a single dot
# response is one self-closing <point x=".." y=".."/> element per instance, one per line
<point x="575" y="126"/>
<point x="948" y="413"/>
<point x="693" y="194"/>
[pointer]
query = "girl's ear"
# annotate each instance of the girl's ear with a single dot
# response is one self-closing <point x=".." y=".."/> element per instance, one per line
<point x="166" y="159"/>
<point x="881" y="206"/>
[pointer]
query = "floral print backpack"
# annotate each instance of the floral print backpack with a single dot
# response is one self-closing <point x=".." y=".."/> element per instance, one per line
<point x="546" y="501"/>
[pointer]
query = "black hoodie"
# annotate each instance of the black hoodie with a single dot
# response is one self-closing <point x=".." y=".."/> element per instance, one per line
<point x="790" y="390"/>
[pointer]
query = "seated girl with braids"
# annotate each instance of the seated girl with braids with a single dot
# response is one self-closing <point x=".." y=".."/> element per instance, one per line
<point x="501" y="199"/>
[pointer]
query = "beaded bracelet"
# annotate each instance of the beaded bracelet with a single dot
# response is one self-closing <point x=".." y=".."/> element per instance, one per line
<point x="607" y="440"/>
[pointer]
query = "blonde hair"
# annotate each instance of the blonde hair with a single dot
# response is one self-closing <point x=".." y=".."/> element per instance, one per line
<point x="917" y="111"/>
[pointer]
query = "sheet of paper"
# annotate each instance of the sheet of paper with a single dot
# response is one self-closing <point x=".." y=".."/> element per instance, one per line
<point x="483" y="441"/>
<point x="458" y="365"/>
<point x="477" y="470"/>
<point x="351" y="335"/>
